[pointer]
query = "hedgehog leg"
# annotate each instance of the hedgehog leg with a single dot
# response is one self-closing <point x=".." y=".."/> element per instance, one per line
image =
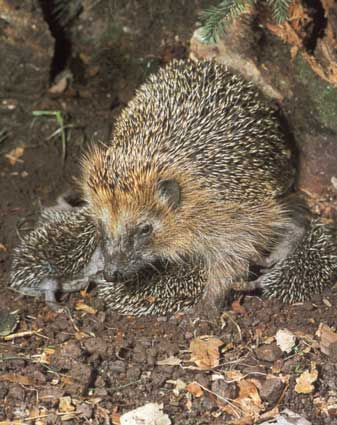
<point x="212" y="302"/>
<point x="244" y="285"/>
<point x="215" y="298"/>
<point x="49" y="288"/>
<point x="75" y="285"/>
<point x="293" y="234"/>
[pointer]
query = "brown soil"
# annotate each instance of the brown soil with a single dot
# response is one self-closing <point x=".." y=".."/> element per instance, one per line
<point x="107" y="364"/>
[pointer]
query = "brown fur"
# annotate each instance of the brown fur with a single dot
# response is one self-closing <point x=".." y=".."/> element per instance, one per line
<point x="226" y="218"/>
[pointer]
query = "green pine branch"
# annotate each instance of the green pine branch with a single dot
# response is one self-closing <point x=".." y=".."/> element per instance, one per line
<point x="279" y="9"/>
<point x="215" y="19"/>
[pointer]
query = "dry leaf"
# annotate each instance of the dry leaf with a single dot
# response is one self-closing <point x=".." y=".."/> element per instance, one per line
<point x="270" y="414"/>
<point x="84" y="307"/>
<point x="247" y="420"/>
<point x="189" y="405"/>
<point x="248" y="390"/>
<point x="67" y="380"/>
<point x="92" y="71"/>
<point x="3" y="247"/>
<point x="17" y="379"/>
<point x="305" y="381"/>
<point x="115" y="418"/>
<point x="179" y="386"/>
<point x="205" y="352"/>
<point x="65" y="405"/>
<point x="85" y="58"/>
<point x="248" y="402"/>
<point x="59" y="86"/>
<point x="84" y="293"/>
<point x="234" y="375"/>
<point x="148" y="414"/>
<point x="285" y="340"/>
<point x="327" y="338"/>
<point x="169" y="361"/>
<point x="14" y="155"/>
<point x="46" y="354"/>
<point x="237" y="307"/>
<point x="81" y="335"/>
<point x="195" y="389"/>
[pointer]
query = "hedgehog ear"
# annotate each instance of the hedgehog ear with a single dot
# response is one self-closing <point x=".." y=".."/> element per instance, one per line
<point x="170" y="192"/>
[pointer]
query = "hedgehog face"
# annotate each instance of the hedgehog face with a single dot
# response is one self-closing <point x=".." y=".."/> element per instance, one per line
<point x="128" y="250"/>
<point x="132" y="234"/>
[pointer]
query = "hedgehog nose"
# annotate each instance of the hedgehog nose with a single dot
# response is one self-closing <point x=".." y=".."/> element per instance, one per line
<point x="111" y="274"/>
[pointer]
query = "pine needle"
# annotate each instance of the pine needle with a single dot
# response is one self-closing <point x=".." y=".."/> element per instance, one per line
<point x="215" y="19"/>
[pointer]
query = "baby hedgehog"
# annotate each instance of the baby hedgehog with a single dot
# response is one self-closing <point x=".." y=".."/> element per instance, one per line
<point x="197" y="170"/>
<point x="310" y="269"/>
<point x="58" y="256"/>
<point x="62" y="254"/>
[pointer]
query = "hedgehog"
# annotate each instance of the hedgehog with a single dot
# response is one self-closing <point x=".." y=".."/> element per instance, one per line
<point x="198" y="169"/>
<point x="62" y="254"/>
<point x="311" y="268"/>
<point x="167" y="290"/>
<point x="59" y="255"/>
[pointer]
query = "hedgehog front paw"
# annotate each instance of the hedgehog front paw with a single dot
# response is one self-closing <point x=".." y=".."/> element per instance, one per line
<point x="212" y="303"/>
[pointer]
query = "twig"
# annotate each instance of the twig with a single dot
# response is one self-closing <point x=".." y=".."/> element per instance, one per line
<point x="24" y="333"/>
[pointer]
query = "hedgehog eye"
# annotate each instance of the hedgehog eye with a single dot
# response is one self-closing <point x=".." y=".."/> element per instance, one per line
<point x="145" y="230"/>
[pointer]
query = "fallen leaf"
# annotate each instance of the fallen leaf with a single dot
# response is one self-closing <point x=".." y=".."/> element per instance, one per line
<point x="60" y="86"/>
<point x="3" y="247"/>
<point x="305" y="381"/>
<point x="46" y="354"/>
<point x="327" y="338"/>
<point x="248" y="389"/>
<point x="270" y="414"/>
<point x="92" y="71"/>
<point x="65" y="405"/>
<point x="248" y="402"/>
<point x="115" y="418"/>
<point x="67" y="380"/>
<point x="237" y="307"/>
<point x="14" y="155"/>
<point x="169" y="361"/>
<point x="285" y="340"/>
<point x="179" y="386"/>
<point x="84" y="307"/>
<point x="189" y="405"/>
<point x="148" y="414"/>
<point x="195" y="389"/>
<point x="205" y="352"/>
<point x="16" y="379"/>
<point x="247" y="420"/>
<point x="234" y="375"/>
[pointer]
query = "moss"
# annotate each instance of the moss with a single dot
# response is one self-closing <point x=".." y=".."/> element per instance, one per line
<point x="322" y="95"/>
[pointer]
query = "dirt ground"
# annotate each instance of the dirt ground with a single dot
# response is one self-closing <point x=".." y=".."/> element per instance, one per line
<point x="84" y="365"/>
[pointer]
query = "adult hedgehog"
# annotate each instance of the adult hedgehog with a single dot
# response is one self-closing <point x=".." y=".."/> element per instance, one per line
<point x="197" y="169"/>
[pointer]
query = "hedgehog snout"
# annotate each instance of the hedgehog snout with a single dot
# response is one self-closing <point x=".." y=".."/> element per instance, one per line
<point x="111" y="273"/>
